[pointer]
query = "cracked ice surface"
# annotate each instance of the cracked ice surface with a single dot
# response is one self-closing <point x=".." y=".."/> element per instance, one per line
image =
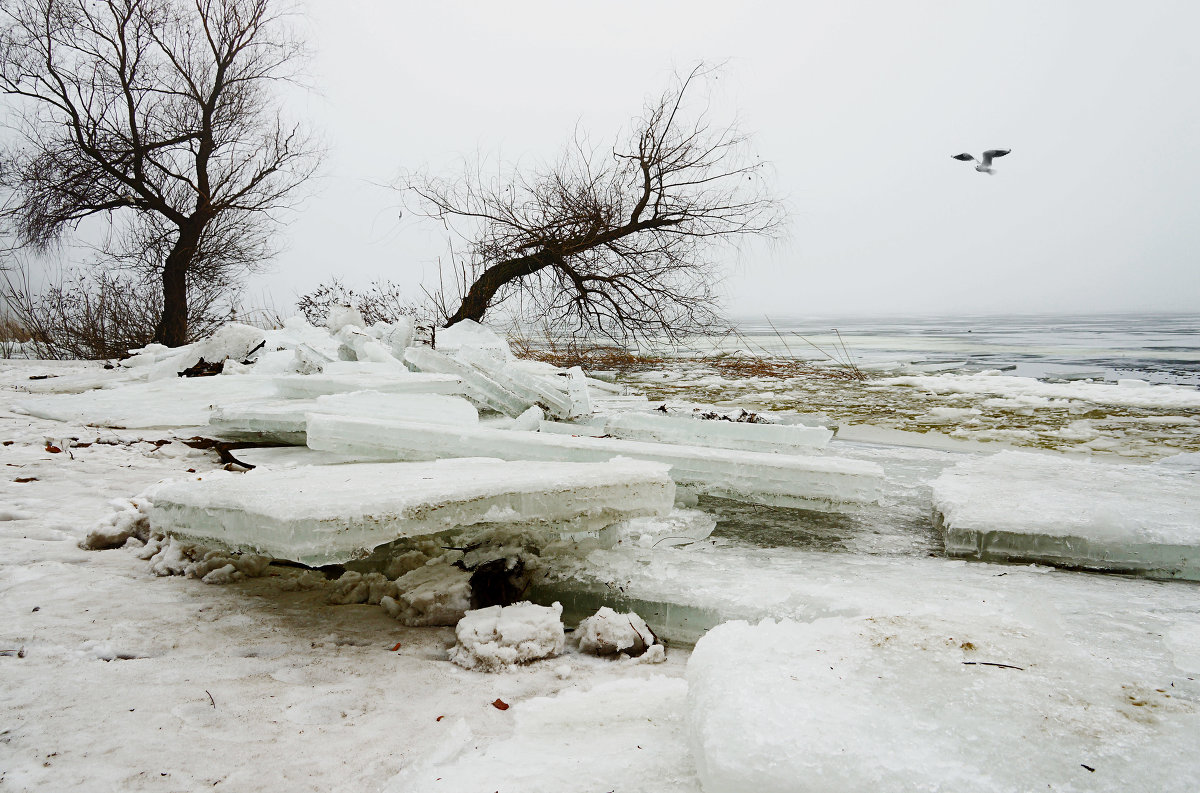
<point x="324" y="514"/>
<point x="1020" y="506"/>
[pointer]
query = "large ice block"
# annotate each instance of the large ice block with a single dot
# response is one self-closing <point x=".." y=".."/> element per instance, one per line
<point x="326" y="514"/>
<point x="278" y="419"/>
<point x="285" y="418"/>
<point x="479" y="386"/>
<point x="898" y="703"/>
<point x="778" y="479"/>
<point x="365" y="377"/>
<point x="794" y="439"/>
<point x="1026" y="507"/>
<point x="177" y="402"/>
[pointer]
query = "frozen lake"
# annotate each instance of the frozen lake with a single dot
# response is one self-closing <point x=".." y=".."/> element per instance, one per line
<point x="1161" y="348"/>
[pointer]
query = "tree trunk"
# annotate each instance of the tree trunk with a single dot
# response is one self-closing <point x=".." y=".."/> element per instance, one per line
<point x="172" y="327"/>
<point x="479" y="297"/>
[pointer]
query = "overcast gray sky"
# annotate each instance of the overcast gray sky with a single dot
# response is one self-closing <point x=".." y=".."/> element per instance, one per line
<point x="858" y="105"/>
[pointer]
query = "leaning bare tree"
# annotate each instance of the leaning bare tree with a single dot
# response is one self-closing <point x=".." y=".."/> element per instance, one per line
<point x="618" y="244"/>
<point x="160" y="117"/>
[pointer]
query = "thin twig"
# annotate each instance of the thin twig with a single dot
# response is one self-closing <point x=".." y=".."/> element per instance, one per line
<point x="990" y="663"/>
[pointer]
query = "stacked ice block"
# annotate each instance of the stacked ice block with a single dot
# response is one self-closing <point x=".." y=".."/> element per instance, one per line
<point x="757" y="477"/>
<point x="286" y="419"/>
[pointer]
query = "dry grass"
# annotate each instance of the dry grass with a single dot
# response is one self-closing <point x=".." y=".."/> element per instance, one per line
<point x="782" y="368"/>
<point x="599" y="357"/>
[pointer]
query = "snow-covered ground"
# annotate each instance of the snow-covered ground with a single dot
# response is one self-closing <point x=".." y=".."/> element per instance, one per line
<point x="882" y="666"/>
<point x="119" y="680"/>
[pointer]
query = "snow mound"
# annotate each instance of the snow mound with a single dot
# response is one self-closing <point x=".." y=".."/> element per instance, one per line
<point x="356" y="587"/>
<point x="129" y="520"/>
<point x="434" y="594"/>
<point x="470" y="334"/>
<point x="497" y="637"/>
<point x="608" y="633"/>
<point x="168" y="556"/>
<point x="342" y="316"/>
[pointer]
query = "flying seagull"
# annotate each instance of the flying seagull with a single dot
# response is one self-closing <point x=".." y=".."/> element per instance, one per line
<point x="984" y="165"/>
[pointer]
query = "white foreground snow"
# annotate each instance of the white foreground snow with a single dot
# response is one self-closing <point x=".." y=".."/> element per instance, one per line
<point x="891" y="704"/>
<point x="121" y="680"/>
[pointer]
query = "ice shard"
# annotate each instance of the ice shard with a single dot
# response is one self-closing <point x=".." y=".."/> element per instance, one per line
<point x="1026" y="507"/>
<point x="794" y="439"/>
<point x="824" y="483"/>
<point x="530" y="387"/>
<point x="330" y="514"/>
<point x="479" y="386"/>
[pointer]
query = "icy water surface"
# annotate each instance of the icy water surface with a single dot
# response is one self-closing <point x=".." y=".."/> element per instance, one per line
<point x="1052" y="383"/>
<point x="1122" y="386"/>
<point x="1160" y="348"/>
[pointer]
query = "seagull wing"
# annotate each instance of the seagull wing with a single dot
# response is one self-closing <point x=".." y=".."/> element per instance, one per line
<point x="964" y="157"/>
<point x="991" y="154"/>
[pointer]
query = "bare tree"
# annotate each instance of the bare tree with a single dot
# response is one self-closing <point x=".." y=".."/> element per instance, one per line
<point x="158" y="116"/>
<point x="617" y="245"/>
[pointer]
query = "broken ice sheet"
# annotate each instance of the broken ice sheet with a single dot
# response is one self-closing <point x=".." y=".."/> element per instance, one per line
<point x="177" y="402"/>
<point x="783" y="480"/>
<point x="1027" y="507"/>
<point x="327" y="514"/>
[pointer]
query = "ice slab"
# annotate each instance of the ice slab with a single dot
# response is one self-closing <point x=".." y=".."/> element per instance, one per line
<point x="932" y="703"/>
<point x="177" y="402"/>
<point x="793" y="439"/>
<point x="1026" y="507"/>
<point x="782" y="480"/>
<point x="278" y="419"/>
<point x="363" y="377"/>
<point x="479" y="386"/>
<point x="325" y="514"/>
<point x="434" y="408"/>
<point x="286" y="420"/>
